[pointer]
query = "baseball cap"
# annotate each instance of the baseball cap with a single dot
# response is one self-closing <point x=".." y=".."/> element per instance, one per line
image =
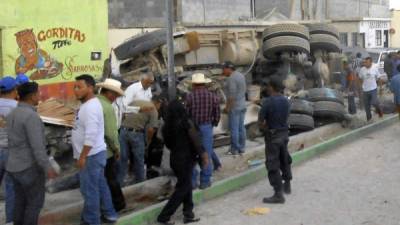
<point x="22" y="79"/>
<point x="228" y="64"/>
<point x="7" y="83"/>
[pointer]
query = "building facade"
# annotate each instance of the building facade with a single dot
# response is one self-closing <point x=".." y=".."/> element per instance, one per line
<point x="395" y="29"/>
<point x="362" y="23"/>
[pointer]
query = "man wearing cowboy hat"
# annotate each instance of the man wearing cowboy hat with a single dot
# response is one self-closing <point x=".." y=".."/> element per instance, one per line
<point x="110" y="89"/>
<point x="203" y="107"/>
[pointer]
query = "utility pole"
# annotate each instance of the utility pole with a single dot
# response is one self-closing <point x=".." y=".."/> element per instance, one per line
<point x="170" y="46"/>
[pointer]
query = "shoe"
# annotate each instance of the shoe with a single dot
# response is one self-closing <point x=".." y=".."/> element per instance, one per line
<point x="190" y="220"/>
<point x="120" y="207"/>
<point x="109" y="220"/>
<point x="234" y="154"/>
<point x="83" y="223"/>
<point x="277" y="198"/>
<point x="380" y="114"/>
<point x="287" y="189"/>
<point x="218" y="168"/>
<point x="166" y="223"/>
<point x="204" y="186"/>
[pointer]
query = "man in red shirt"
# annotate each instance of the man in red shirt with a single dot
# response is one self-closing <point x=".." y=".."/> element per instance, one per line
<point x="203" y="107"/>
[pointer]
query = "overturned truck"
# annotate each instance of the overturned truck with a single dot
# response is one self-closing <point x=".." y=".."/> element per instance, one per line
<point x="305" y="56"/>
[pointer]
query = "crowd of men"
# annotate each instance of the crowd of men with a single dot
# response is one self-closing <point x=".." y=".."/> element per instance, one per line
<point x="115" y="125"/>
<point x="112" y="131"/>
<point x="363" y="78"/>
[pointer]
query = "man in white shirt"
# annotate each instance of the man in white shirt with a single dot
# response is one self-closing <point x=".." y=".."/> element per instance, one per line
<point x="370" y="75"/>
<point x="138" y="91"/>
<point x="90" y="151"/>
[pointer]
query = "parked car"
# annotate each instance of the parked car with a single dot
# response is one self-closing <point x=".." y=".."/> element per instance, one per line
<point x="379" y="55"/>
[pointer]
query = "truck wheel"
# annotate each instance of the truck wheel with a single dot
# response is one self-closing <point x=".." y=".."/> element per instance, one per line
<point x="274" y="46"/>
<point x="300" y="106"/>
<point x="325" y="94"/>
<point x="388" y="107"/>
<point x="324" y="42"/>
<point x="300" y="122"/>
<point x="333" y="110"/>
<point x="141" y="43"/>
<point x="286" y="30"/>
<point x="323" y="28"/>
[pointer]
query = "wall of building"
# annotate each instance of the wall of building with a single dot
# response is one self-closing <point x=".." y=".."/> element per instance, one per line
<point x="63" y="34"/>
<point x="214" y="11"/>
<point x="302" y="9"/>
<point x="348" y="29"/>
<point x="370" y="29"/>
<point x="118" y="36"/>
<point x="352" y="9"/>
<point x="125" y="14"/>
<point x="136" y="13"/>
<point x="395" y="25"/>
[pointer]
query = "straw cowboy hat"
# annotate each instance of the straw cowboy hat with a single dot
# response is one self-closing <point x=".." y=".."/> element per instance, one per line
<point x="112" y="85"/>
<point x="199" y="78"/>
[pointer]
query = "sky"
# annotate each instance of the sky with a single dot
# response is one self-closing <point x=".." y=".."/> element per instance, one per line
<point x="395" y="4"/>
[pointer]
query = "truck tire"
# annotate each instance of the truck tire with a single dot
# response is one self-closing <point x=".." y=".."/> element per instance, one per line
<point x="253" y="131"/>
<point x="276" y="45"/>
<point x="299" y="106"/>
<point x="138" y="44"/>
<point x="286" y="30"/>
<point x="325" y="94"/>
<point x="324" y="42"/>
<point x="327" y="109"/>
<point x="323" y="28"/>
<point x="300" y="122"/>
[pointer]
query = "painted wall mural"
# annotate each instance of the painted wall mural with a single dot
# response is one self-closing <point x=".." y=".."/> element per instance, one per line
<point x="34" y="61"/>
<point x="52" y="42"/>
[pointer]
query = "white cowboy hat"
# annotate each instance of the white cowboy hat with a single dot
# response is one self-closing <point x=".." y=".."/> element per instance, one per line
<point x="112" y="85"/>
<point x="199" y="78"/>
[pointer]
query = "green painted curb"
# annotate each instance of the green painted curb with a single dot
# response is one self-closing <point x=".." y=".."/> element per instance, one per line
<point x="148" y="215"/>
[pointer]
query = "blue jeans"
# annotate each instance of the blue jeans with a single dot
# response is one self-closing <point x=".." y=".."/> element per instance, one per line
<point x="29" y="187"/>
<point x="206" y="131"/>
<point x="371" y="99"/>
<point x="215" y="160"/>
<point x="95" y="191"/>
<point x="133" y="142"/>
<point x="9" y="186"/>
<point x="237" y="129"/>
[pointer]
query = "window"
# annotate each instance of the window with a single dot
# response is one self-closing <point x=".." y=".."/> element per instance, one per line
<point x="354" y="39"/>
<point x="378" y="37"/>
<point x="343" y="39"/>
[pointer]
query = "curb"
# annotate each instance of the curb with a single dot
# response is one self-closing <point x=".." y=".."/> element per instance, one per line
<point x="148" y="215"/>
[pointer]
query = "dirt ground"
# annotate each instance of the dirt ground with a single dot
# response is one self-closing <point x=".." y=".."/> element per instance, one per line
<point x="354" y="184"/>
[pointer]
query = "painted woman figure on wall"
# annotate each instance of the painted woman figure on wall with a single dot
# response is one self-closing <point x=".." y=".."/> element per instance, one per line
<point x="34" y="59"/>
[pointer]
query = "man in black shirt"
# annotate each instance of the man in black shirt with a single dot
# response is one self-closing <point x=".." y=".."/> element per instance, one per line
<point x="273" y="119"/>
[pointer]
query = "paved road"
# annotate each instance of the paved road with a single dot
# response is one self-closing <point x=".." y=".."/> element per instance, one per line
<point x="357" y="184"/>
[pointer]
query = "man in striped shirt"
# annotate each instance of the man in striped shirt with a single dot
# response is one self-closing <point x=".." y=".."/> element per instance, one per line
<point x="203" y="107"/>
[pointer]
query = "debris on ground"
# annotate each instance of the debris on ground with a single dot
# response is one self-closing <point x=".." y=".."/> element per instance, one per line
<point x="257" y="211"/>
